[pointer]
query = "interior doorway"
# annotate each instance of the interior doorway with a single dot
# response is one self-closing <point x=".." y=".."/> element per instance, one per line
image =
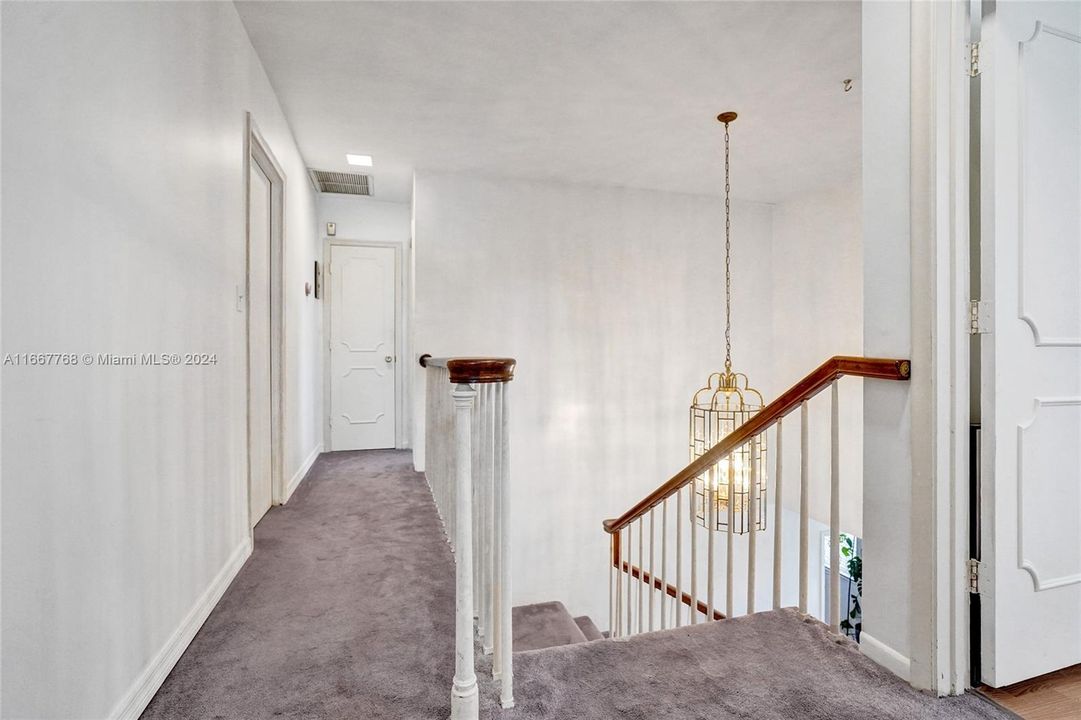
<point x="265" y="183"/>
<point x="362" y="321"/>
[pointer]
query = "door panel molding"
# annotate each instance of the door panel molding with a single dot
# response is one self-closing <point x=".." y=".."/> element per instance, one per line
<point x="1052" y="456"/>
<point x="1045" y="280"/>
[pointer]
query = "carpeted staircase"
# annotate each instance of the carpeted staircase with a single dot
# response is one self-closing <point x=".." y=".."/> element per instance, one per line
<point x="772" y="664"/>
<point x="776" y="665"/>
<point x="549" y="624"/>
<point x="588" y="628"/>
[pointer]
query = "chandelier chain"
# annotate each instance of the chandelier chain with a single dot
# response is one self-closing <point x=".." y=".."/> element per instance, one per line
<point x="727" y="260"/>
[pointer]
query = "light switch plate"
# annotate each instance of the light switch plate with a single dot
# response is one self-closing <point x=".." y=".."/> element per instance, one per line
<point x="332" y="229"/>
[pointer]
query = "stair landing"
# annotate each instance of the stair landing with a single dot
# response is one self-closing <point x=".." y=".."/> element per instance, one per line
<point x="771" y="665"/>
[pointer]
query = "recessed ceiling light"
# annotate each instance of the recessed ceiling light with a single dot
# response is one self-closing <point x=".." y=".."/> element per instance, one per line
<point x="362" y="160"/>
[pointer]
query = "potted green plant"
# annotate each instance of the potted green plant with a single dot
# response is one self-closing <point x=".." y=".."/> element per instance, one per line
<point x="854" y="622"/>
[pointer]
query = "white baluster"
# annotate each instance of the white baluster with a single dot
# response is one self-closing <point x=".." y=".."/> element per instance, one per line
<point x="730" y="550"/>
<point x="506" y="631"/>
<point x="447" y="458"/>
<point x="429" y="438"/>
<point x="478" y="517"/>
<point x="611" y="584"/>
<point x="619" y="629"/>
<point x="711" y="534"/>
<point x="641" y="555"/>
<point x="429" y="419"/>
<point x="489" y="439"/>
<point x="484" y="540"/>
<point x="630" y="577"/>
<point x="497" y="530"/>
<point x="433" y="435"/>
<point x="439" y="453"/>
<point x="752" y="529"/>
<point x="664" y="563"/>
<point x="679" y="557"/>
<point x="693" y="610"/>
<point x="835" y="510"/>
<point x="463" y="697"/>
<point x="804" y="507"/>
<point x="778" y="514"/>
<point x="446" y="453"/>
<point x="652" y="572"/>
<point x="452" y="459"/>
<point x="444" y="438"/>
<point x="433" y="450"/>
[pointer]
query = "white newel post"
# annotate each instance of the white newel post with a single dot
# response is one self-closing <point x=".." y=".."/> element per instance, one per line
<point x="464" y="703"/>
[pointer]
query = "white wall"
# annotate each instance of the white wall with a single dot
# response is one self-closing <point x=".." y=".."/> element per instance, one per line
<point x="362" y="218"/>
<point x="612" y="301"/>
<point x="125" y="505"/>
<point x="887" y="439"/>
<point x="818" y="313"/>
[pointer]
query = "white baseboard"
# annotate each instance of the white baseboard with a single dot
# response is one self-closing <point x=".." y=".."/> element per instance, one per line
<point x="133" y="703"/>
<point x="885" y="656"/>
<point x="302" y="472"/>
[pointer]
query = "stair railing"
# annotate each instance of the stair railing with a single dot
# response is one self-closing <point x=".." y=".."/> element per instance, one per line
<point x="634" y="581"/>
<point x="467" y="461"/>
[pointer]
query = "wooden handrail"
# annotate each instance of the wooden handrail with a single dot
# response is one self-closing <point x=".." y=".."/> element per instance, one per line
<point x="660" y="584"/>
<point x="471" y="370"/>
<point x="805" y="389"/>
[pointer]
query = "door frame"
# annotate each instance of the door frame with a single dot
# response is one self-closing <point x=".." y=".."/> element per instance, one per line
<point x="940" y="396"/>
<point x="400" y="433"/>
<point x="257" y="149"/>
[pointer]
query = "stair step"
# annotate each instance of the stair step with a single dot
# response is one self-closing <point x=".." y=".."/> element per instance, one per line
<point x="589" y="628"/>
<point x="544" y="625"/>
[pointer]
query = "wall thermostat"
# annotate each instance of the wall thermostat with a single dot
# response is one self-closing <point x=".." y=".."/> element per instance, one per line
<point x="332" y="229"/>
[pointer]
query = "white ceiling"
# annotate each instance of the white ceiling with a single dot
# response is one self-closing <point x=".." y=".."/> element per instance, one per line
<point x="594" y="92"/>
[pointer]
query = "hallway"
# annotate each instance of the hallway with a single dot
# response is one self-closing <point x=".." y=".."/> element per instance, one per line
<point x="345" y="609"/>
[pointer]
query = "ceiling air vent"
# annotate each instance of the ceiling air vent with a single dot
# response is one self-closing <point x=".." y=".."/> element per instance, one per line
<point x="341" y="183"/>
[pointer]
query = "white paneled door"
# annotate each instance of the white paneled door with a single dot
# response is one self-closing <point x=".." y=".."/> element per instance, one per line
<point x="1030" y="155"/>
<point x="362" y="347"/>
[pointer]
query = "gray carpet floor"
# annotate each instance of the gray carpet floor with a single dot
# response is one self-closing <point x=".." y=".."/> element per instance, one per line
<point x="346" y="610"/>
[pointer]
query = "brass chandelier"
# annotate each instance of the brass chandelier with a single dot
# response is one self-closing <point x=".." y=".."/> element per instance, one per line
<point x="723" y="493"/>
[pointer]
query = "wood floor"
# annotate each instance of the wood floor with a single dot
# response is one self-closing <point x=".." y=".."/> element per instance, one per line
<point x="1056" y="696"/>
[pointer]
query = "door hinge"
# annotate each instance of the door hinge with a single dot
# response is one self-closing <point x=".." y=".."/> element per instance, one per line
<point x="979" y="317"/>
<point x="973" y="59"/>
<point x="974" y="576"/>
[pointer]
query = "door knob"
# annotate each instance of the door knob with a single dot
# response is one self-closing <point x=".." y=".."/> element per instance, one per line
<point x="388" y="358"/>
